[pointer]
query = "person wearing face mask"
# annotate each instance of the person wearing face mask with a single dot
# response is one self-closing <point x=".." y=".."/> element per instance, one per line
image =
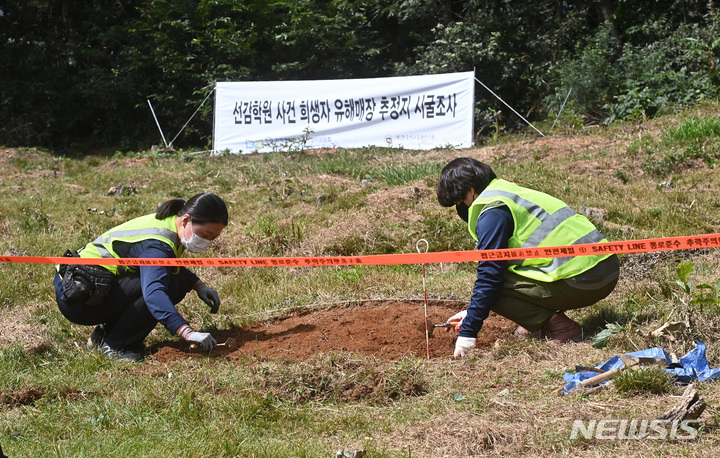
<point x="125" y="303"/>
<point x="534" y="293"/>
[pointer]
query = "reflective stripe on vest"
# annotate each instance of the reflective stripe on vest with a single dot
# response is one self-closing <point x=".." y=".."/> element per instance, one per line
<point x="540" y="220"/>
<point x="139" y="229"/>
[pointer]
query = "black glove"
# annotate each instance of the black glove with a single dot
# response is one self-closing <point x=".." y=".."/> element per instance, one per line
<point x="210" y="297"/>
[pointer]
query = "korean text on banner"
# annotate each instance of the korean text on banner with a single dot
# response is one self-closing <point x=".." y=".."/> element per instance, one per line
<point x="413" y="112"/>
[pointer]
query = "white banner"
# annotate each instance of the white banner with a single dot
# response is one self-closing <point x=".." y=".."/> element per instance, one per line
<point x="412" y="112"/>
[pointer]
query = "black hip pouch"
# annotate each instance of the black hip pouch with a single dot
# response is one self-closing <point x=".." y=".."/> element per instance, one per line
<point x="86" y="284"/>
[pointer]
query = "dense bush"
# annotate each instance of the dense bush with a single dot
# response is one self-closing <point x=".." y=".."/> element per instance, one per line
<point x="661" y="66"/>
<point x="78" y="75"/>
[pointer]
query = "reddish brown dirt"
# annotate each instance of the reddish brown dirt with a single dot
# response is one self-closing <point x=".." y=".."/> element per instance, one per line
<point x="25" y="397"/>
<point x="386" y="329"/>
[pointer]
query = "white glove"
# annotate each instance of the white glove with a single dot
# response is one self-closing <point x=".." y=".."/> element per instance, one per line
<point x="209" y="296"/>
<point x="203" y="340"/>
<point x="464" y="345"/>
<point x="457" y="318"/>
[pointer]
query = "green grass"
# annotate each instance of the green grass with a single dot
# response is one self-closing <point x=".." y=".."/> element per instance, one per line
<point x="653" y="380"/>
<point x="57" y="399"/>
<point x="397" y="175"/>
<point x="695" y="128"/>
<point x="694" y="140"/>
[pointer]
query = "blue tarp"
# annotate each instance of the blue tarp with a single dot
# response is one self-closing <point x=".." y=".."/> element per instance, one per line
<point x="693" y="366"/>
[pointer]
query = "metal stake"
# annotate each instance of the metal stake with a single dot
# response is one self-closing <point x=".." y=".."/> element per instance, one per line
<point x="427" y="327"/>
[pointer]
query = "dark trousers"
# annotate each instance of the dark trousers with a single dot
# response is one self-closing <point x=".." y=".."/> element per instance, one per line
<point x="531" y="304"/>
<point x="124" y="313"/>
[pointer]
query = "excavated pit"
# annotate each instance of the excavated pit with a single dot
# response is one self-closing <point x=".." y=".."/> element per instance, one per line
<point x="391" y="329"/>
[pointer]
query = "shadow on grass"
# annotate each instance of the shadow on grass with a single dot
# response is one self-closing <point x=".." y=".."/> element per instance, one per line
<point x="240" y="336"/>
<point x="599" y="316"/>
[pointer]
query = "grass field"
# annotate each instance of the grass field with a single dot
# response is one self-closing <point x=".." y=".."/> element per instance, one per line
<point x="644" y="180"/>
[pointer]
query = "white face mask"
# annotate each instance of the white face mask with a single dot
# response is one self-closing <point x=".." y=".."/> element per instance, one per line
<point x="196" y="244"/>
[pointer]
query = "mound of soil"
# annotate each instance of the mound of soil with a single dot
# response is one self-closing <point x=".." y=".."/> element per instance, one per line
<point x="386" y="329"/>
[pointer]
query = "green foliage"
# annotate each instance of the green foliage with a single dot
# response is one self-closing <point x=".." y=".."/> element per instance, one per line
<point x="683" y="271"/>
<point x="455" y="46"/>
<point x="274" y="239"/>
<point x="80" y="80"/>
<point x="109" y="58"/>
<point x="34" y="220"/>
<point x="695" y="130"/>
<point x="589" y="76"/>
<point x="705" y="297"/>
<point x="509" y="46"/>
<point x="662" y="65"/>
<point x="396" y="175"/>
<point x="621" y="175"/>
<point x="601" y="338"/>
<point x="692" y="141"/>
<point x="293" y="145"/>
<point x="674" y="71"/>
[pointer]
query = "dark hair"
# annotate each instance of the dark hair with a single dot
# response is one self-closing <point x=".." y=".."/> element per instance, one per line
<point x="202" y="208"/>
<point x="458" y="176"/>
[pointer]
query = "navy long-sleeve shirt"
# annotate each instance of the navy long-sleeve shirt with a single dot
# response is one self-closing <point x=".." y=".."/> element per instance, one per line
<point x="494" y="228"/>
<point x="154" y="280"/>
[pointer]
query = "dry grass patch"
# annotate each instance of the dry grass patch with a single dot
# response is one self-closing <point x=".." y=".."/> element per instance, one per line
<point x="460" y="435"/>
<point x="399" y="198"/>
<point x="18" y="327"/>
<point x="342" y="378"/>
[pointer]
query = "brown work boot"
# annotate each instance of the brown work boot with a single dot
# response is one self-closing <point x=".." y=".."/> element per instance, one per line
<point x="525" y="334"/>
<point x="562" y="329"/>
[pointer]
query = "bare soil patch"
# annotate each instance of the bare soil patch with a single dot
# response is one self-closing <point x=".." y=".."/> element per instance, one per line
<point x="390" y="330"/>
<point x="23" y="397"/>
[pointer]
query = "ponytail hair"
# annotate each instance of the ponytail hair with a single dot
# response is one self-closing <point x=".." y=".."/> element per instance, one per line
<point x="203" y="208"/>
<point x="169" y="208"/>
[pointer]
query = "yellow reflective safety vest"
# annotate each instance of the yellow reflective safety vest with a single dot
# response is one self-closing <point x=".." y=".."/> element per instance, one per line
<point x="136" y="230"/>
<point x="540" y="221"/>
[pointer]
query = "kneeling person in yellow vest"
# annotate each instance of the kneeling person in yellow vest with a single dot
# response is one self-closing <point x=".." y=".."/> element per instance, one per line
<point x="125" y="303"/>
<point x="534" y="293"/>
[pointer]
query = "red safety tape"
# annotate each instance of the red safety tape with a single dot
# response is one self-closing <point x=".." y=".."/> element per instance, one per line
<point x="629" y="246"/>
